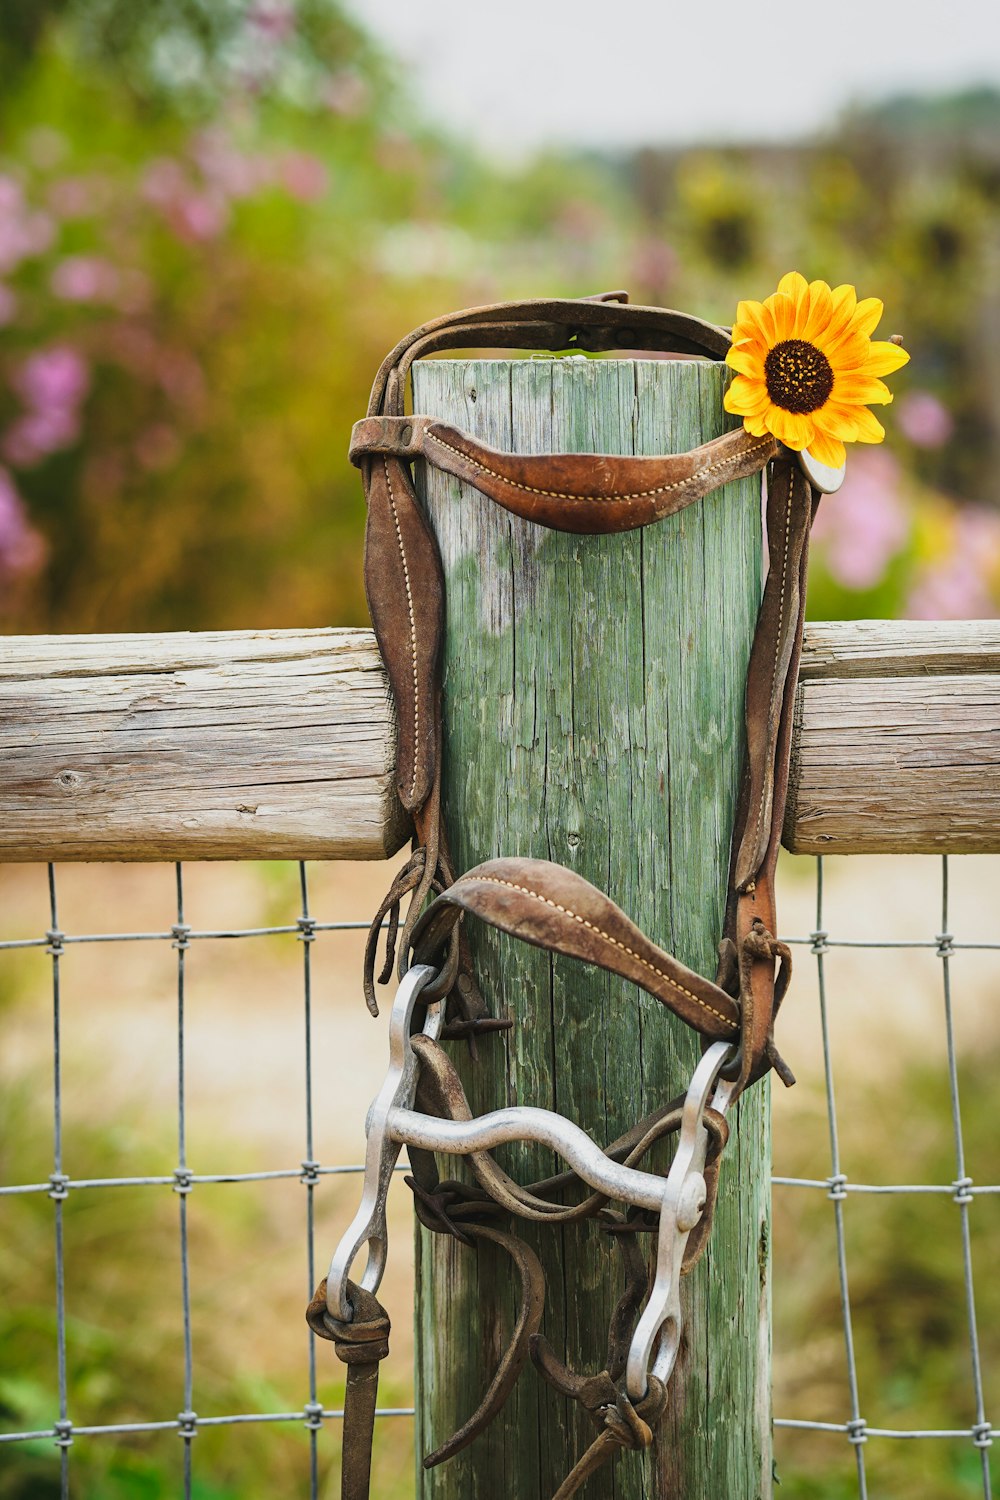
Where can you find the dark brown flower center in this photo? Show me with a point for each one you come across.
(799, 376)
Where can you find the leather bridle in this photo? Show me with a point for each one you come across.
(547, 905)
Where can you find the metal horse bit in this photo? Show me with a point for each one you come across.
(679, 1197)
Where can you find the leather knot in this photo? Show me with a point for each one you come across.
(626, 1421)
(362, 1341)
(759, 943)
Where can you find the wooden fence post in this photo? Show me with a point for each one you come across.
(593, 693)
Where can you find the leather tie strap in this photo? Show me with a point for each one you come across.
(362, 1344)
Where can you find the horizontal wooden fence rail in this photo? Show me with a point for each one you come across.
(281, 744)
(896, 745)
(256, 744)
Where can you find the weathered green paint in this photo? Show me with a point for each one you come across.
(592, 710)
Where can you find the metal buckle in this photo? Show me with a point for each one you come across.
(679, 1198)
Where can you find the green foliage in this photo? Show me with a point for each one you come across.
(216, 217)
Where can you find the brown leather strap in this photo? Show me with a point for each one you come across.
(403, 579)
(405, 588)
(553, 908)
(586, 324)
(362, 1344)
(751, 921)
(517, 1353)
(589, 493)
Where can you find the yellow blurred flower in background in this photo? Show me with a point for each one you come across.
(808, 369)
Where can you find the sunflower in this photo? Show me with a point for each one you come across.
(807, 368)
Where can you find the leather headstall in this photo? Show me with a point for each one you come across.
(545, 904)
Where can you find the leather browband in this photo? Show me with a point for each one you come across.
(537, 901)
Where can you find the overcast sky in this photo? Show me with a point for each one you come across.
(519, 73)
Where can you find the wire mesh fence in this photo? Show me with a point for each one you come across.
(62, 1429)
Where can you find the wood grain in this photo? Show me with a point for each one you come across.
(899, 648)
(593, 700)
(281, 744)
(223, 745)
(896, 765)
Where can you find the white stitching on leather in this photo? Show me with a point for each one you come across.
(536, 896)
(777, 648)
(662, 489)
(413, 627)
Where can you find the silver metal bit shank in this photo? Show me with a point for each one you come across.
(679, 1198)
(399, 1090)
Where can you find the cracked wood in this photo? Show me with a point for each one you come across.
(220, 745)
(281, 744)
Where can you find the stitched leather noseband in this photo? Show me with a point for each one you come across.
(545, 904)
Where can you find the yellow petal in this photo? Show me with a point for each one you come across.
(818, 312)
(867, 316)
(755, 317)
(884, 357)
(861, 389)
(790, 427)
(848, 351)
(745, 398)
(827, 450)
(756, 426)
(837, 421)
(747, 363)
(747, 317)
(845, 300)
(869, 428)
(782, 310)
(793, 285)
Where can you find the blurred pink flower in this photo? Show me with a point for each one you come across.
(84, 278)
(304, 176)
(34, 436)
(198, 216)
(958, 586)
(192, 213)
(22, 549)
(51, 383)
(57, 377)
(274, 20)
(234, 173)
(924, 419)
(865, 524)
(163, 180)
(76, 197)
(24, 232)
(11, 196)
(345, 93)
